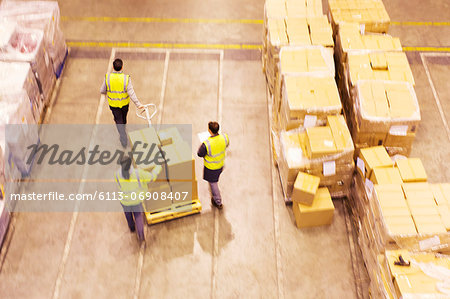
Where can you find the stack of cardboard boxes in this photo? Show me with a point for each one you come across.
(407, 274)
(383, 110)
(371, 15)
(324, 151)
(312, 205)
(177, 179)
(296, 23)
(398, 208)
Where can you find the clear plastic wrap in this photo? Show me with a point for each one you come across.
(26, 45)
(18, 76)
(369, 14)
(306, 97)
(44, 16)
(380, 233)
(290, 152)
(402, 113)
(15, 108)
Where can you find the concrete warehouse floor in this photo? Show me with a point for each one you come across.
(252, 248)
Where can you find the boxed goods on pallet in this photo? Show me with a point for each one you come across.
(408, 274)
(44, 16)
(350, 39)
(26, 45)
(304, 85)
(304, 99)
(329, 157)
(16, 109)
(177, 178)
(384, 113)
(297, 23)
(18, 76)
(371, 15)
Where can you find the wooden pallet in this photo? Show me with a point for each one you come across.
(174, 212)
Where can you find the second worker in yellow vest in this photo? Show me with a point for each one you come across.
(118, 90)
(213, 151)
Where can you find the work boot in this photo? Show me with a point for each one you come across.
(216, 205)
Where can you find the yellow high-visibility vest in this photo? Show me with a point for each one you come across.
(116, 89)
(132, 188)
(215, 151)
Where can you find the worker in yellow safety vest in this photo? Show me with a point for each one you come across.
(119, 90)
(213, 151)
(133, 184)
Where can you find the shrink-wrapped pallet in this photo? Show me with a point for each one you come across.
(371, 15)
(44, 16)
(26, 45)
(18, 76)
(328, 157)
(384, 113)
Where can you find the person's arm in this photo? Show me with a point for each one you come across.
(149, 176)
(202, 151)
(132, 94)
(103, 88)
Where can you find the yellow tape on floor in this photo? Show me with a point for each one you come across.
(429, 24)
(93, 44)
(210, 21)
(162, 45)
(161, 20)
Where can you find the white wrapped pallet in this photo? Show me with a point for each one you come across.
(18, 76)
(42, 15)
(16, 109)
(26, 45)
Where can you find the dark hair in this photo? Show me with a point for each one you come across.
(214, 127)
(126, 164)
(118, 64)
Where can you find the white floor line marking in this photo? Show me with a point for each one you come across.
(137, 284)
(163, 87)
(276, 222)
(436, 97)
(73, 221)
(216, 212)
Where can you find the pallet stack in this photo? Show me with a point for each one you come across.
(374, 78)
(295, 23)
(178, 167)
(397, 209)
(32, 54)
(309, 133)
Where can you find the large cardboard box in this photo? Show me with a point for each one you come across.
(441, 194)
(305, 188)
(319, 213)
(180, 164)
(411, 170)
(386, 175)
(320, 142)
(372, 157)
(158, 200)
(169, 135)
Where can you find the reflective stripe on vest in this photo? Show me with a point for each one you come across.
(116, 89)
(215, 151)
(132, 185)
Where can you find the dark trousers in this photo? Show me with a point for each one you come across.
(120, 118)
(135, 219)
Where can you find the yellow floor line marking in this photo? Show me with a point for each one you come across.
(426, 24)
(162, 45)
(213, 21)
(161, 20)
(208, 46)
(426, 49)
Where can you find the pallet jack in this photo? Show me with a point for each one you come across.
(175, 210)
